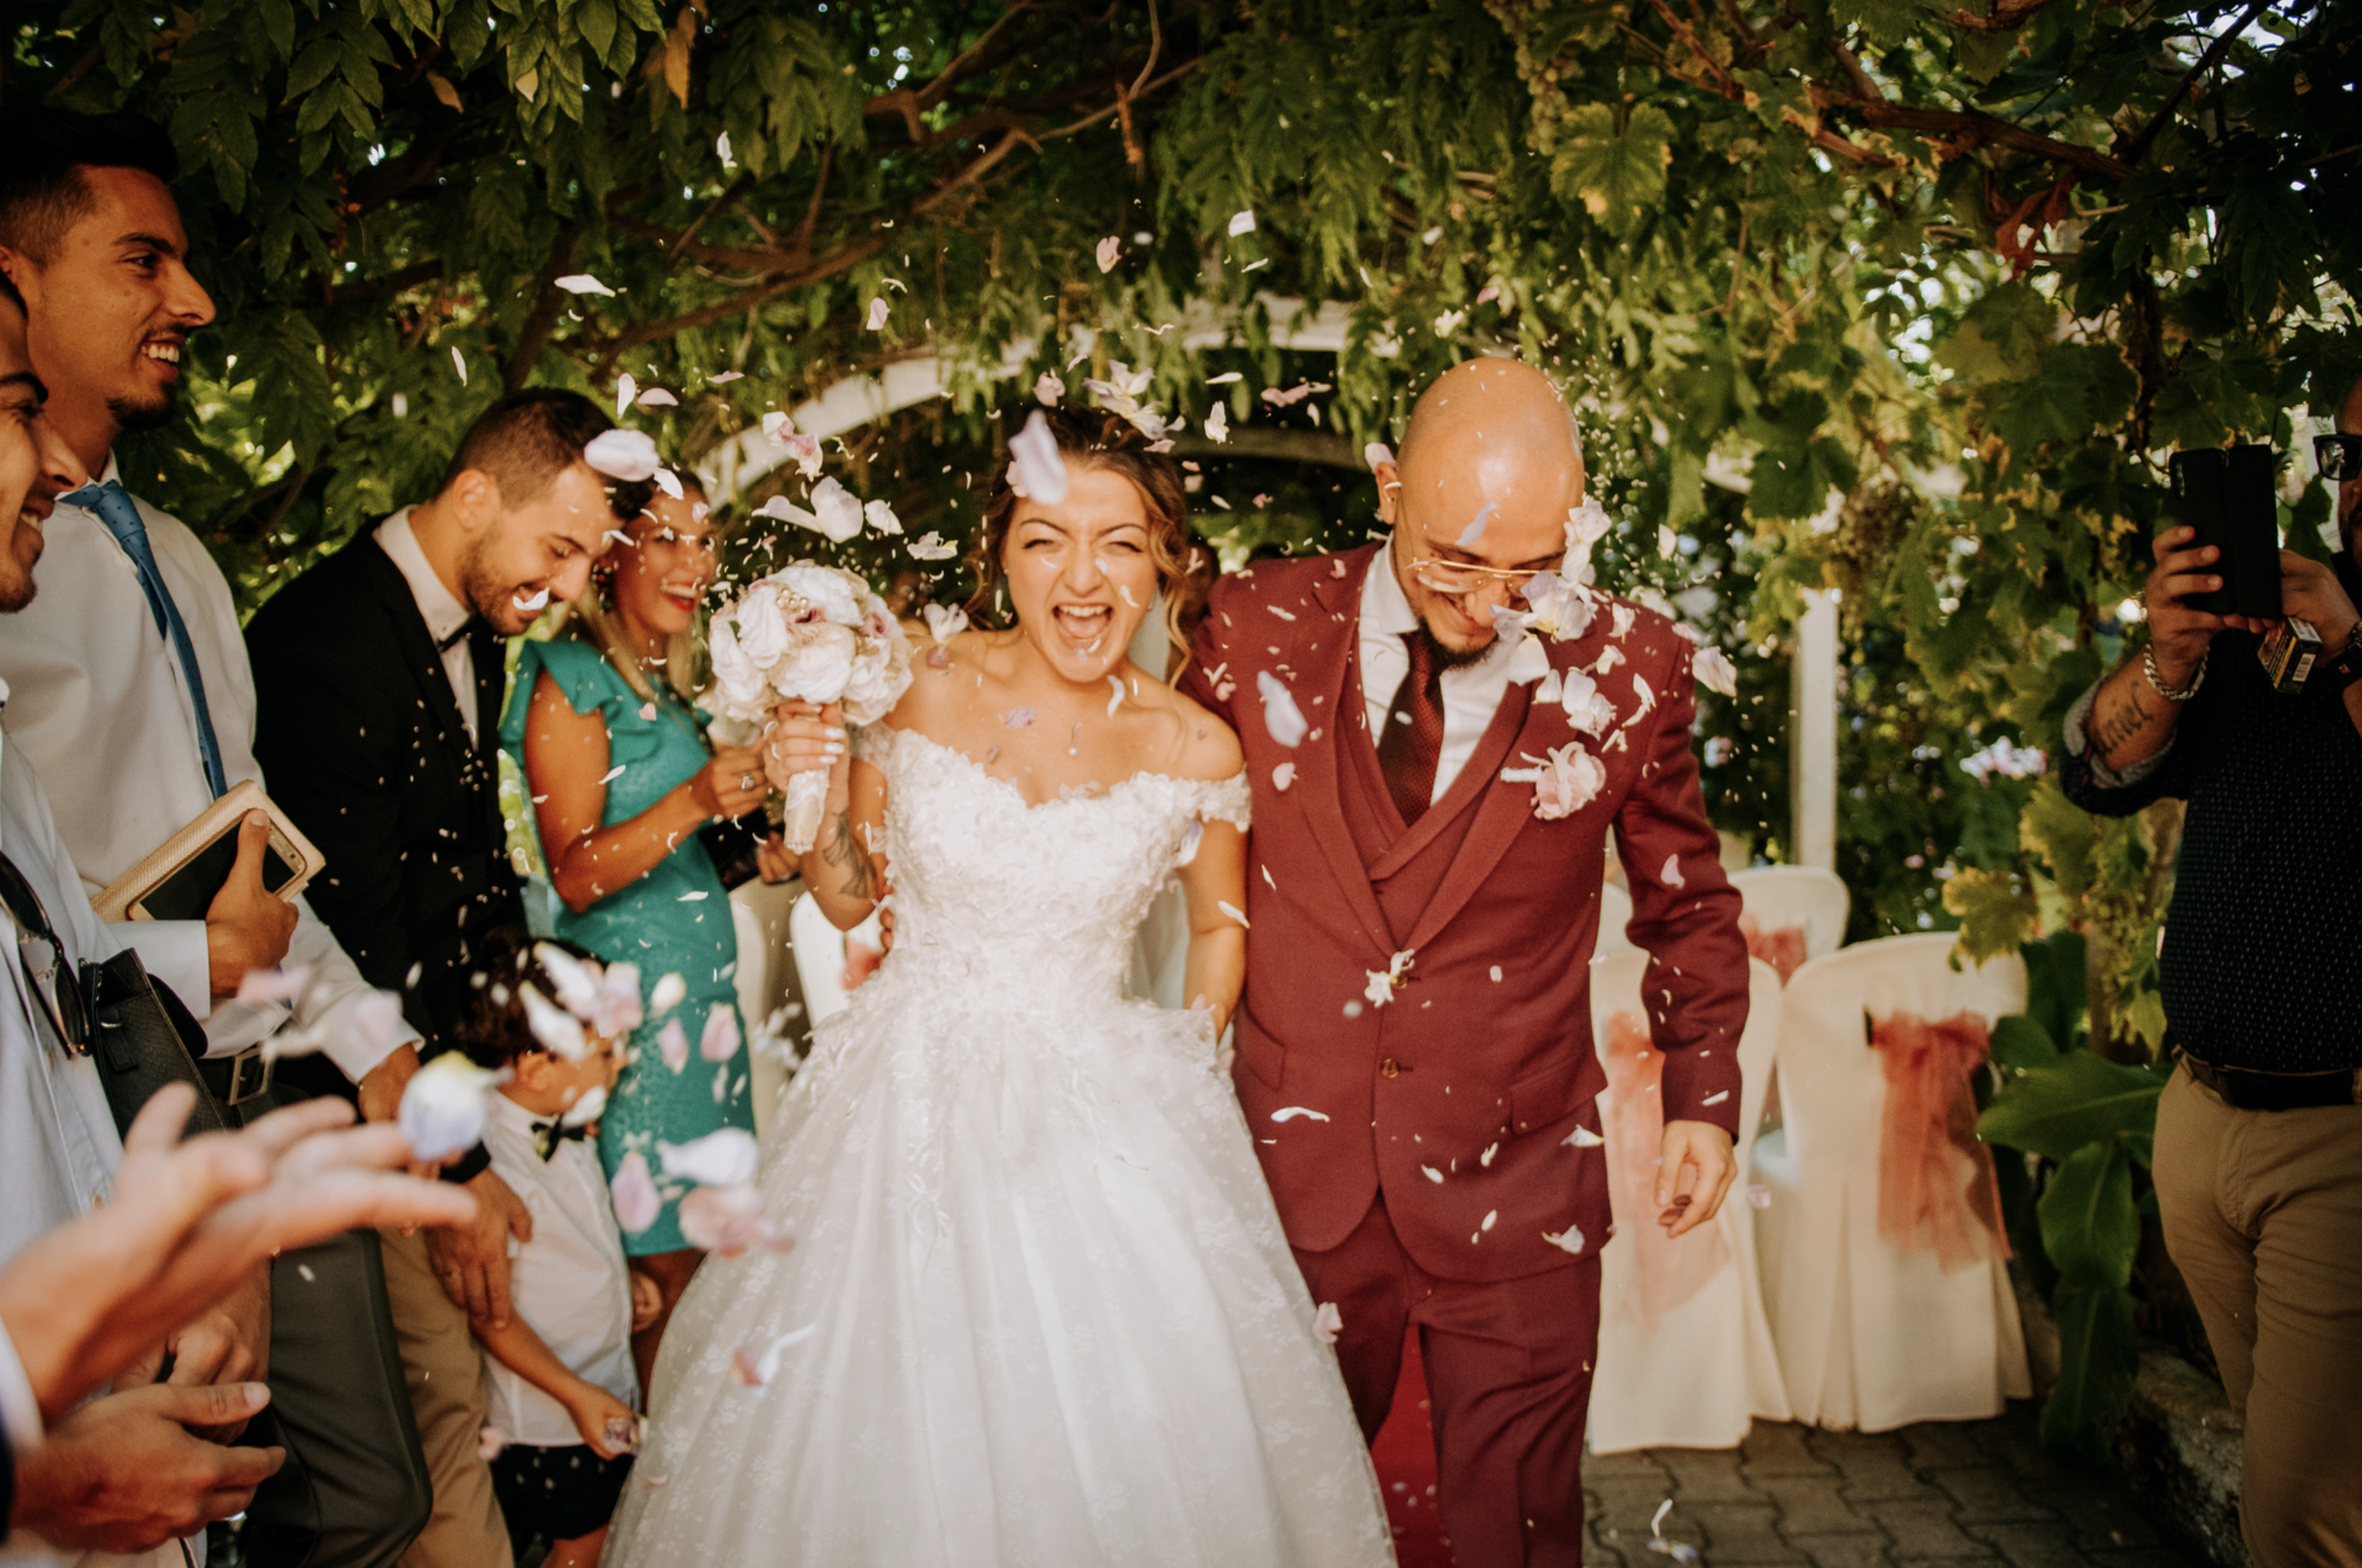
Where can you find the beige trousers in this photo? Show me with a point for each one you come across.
(2263, 1214)
(445, 1371)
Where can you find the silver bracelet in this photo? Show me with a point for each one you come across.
(2149, 666)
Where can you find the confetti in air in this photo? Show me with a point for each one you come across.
(1242, 222)
(1280, 716)
(877, 315)
(582, 283)
(1036, 470)
(1290, 1113)
(1111, 251)
(459, 362)
(442, 1107)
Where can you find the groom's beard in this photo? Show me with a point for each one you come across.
(1442, 658)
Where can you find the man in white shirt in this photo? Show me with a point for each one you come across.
(123, 1473)
(132, 695)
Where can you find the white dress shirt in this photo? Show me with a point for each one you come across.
(442, 607)
(102, 710)
(1472, 692)
(569, 1283)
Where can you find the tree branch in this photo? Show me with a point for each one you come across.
(909, 103)
(547, 306)
(838, 260)
(386, 284)
(2137, 148)
(1971, 127)
(2006, 15)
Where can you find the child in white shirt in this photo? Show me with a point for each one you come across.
(563, 1390)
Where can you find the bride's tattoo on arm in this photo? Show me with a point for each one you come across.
(841, 850)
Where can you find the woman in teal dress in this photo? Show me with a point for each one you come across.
(621, 776)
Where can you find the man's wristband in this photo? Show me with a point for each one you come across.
(2148, 667)
(2347, 668)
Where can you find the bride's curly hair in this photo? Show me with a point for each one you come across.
(1097, 438)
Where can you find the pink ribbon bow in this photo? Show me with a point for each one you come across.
(1937, 1189)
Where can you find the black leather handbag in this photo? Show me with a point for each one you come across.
(355, 1491)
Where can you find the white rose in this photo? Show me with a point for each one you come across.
(762, 629)
(739, 689)
(832, 595)
(818, 661)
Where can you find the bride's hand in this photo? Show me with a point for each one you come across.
(804, 738)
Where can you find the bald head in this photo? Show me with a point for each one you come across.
(1490, 466)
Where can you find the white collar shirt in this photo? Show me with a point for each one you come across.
(1472, 692)
(569, 1283)
(102, 710)
(443, 612)
(58, 1147)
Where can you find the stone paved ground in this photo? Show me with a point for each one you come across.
(1980, 1490)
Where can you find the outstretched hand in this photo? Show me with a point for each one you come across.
(189, 1222)
(1696, 1166)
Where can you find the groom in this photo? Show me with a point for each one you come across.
(1414, 1043)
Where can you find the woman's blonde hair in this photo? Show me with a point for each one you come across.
(593, 618)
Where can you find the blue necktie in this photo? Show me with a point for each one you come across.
(114, 508)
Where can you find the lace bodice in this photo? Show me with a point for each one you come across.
(1025, 906)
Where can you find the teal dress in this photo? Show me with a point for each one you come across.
(674, 920)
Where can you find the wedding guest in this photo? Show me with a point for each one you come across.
(603, 722)
(564, 1391)
(2259, 1158)
(1417, 967)
(130, 693)
(378, 675)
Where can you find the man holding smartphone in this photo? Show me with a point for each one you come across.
(2258, 1155)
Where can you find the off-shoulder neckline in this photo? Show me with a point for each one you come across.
(1075, 796)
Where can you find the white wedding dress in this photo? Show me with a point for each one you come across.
(1053, 1321)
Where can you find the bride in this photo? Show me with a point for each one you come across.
(1040, 1312)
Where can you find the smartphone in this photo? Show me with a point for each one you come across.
(2228, 497)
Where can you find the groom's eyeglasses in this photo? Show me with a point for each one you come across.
(2338, 457)
(1458, 579)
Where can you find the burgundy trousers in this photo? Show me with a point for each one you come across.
(1508, 1376)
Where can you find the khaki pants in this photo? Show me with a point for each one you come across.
(447, 1398)
(2263, 1214)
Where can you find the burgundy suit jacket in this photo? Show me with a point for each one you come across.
(1460, 1097)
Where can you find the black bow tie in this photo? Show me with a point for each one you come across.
(458, 632)
(547, 1135)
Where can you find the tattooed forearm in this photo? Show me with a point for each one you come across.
(2120, 720)
(841, 850)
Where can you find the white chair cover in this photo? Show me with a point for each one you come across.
(1696, 1375)
(1615, 913)
(1804, 898)
(1872, 1336)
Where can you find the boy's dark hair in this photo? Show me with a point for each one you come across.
(492, 1031)
(527, 439)
(43, 191)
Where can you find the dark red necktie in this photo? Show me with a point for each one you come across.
(1414, 731)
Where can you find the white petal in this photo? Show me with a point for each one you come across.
(584, 284)
(1280, 716)
(727, 1157)
(1290, 1113)
(1242, 222)
(877, 314)
(1036, 469)
(442, 1106)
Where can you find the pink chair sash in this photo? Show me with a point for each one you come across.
(1632, 1118)
(1782, 947)
(1937, 1190)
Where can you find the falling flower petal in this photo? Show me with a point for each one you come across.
(1329, 1323)
(584, 284)
(1111, 250)
(722, 378)
(267, 985)
(557, 1031)
(1714, 671)
(586, 1109)
(836, 510)
(725, 1158)
(1283, 775)
(1226, 377)
(490, 1441)
(626, 390)
(1047, 390)
(1475, 529)
(880, 516)
(720, 1039)
(628, 455)
(1582, 1138)
(1567, 1240)
(656, 397)
(1115, 694)
(1432, 1174)
(1242, 222)
(943, 621)
(1376, 453)
(1233, 912)
(777, 426)
(756, 1370)
(1191, 836)
(1217, 423)
(930, 547)
(1528, 660)
(1036, 469)
(672, 1044)
(459, 362)
(728, 1220)
(877, 314)
(667, 994)
(1019, 718)
(1758, 1196)
(1570, 778)
(722, 149)
(1290, 1113)
(1280, 716)
(442, 1106)
(1671, 875)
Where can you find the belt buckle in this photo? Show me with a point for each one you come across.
(250, 1076)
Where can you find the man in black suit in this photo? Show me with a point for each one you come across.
(379, 678)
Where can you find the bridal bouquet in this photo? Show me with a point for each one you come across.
(815, 634)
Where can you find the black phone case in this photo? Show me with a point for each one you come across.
(2228, 497)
